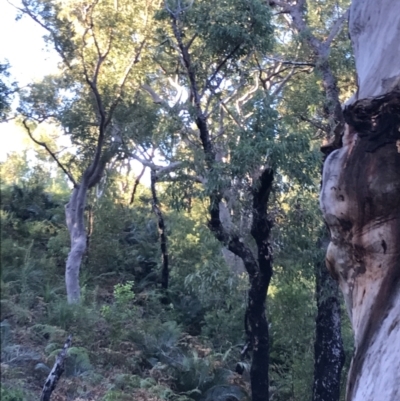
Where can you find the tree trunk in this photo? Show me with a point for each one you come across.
(328, 347)
(162, 233)
(74, 212)
(360, 200)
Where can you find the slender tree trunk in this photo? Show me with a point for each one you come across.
(162, 233)
(258, 267)
(256, 324)
(360, 200)
(74, 212)
(328, 357)
(328, 347)
(259, 283)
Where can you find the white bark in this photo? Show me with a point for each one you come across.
(74, 212)
(375, 35)
(360, 200)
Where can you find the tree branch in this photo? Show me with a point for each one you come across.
(135, 186)
(52, 154)
(27, 11)
(336, 28)
(321, 51)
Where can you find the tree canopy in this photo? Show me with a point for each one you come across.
(169, 218)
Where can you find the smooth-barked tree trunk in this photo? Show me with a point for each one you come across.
(360, 200)
(74, 215)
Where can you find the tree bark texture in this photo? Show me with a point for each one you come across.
(360, 200)
(75, 218)
(328, 347)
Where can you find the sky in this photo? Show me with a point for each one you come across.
(23, 46)
(30, 59)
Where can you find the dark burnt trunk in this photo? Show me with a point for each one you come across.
(328, 347)
(256, 324)
(259, 283)
(259, 266)
(259, 270)
(162, 233)
(257, 327)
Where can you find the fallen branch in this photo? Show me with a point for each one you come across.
(56, 372)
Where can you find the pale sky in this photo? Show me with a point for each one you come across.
(23, 46)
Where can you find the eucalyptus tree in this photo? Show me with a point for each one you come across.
(317, 30)
(227, 138)
(360, 201)
(359, 196)
(103, 47)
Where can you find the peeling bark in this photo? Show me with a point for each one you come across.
(360, 200)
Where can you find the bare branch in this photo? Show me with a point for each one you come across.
(276, 92)
(316, 124)
(337, 27)
(160, 170)
(192, 40)
(220, 65)
(122, 83)
(321, 52)
(290, 62)
(136, 184)
(156, 98)
(52, 154)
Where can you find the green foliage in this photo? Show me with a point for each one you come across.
(123, 294)
(7, 394)
(7, 90)
(187, 348)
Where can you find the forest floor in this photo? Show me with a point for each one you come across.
(117, 353)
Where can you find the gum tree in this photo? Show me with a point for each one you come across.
(103, 50)
(360, 202)
(227, 140)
